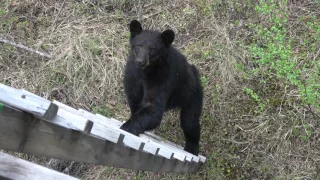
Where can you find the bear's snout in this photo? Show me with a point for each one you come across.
(142, 58)
(140, 63)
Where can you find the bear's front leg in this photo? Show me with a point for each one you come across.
(132, 127)
(148, 117)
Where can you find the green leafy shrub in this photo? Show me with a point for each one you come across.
(256, 98)
(274, 52)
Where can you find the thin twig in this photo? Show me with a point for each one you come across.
(150, 15)
(24, 47)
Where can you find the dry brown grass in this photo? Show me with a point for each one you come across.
(89, 45)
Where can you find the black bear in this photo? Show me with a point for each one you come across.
(159, 78)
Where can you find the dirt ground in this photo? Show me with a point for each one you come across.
(88, 44)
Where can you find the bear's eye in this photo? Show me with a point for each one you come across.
(152, 49)
(138, 47)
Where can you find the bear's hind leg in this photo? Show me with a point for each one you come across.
(190, 117)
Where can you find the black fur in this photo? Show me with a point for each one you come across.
(158, 78)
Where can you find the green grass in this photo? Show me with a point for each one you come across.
(273, 51)
(105, 111)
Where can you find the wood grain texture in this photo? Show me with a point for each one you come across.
(18, 169)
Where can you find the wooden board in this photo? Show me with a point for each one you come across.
(74, 120)
(18, 169)
(22, 132)
(150, 145)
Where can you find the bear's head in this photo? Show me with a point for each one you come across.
(149, 47)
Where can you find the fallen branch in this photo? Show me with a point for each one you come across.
(24, 47)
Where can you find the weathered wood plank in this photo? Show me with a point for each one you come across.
(165, 149)
(38, 106)
(157, 139)
(18, 169)
(187, 157)
(130, 140)
(103, 127)
(97, 129)
(29, 103)
(47, 139)
(201, 158)
(149, 146)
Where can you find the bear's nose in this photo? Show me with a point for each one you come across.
(140, 63)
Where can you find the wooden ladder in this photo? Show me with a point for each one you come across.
(34, 125)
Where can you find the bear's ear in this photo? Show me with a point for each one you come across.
(135, 27)
(168, 36)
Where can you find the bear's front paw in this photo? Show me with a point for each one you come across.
(130, 127)
(192, 148)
